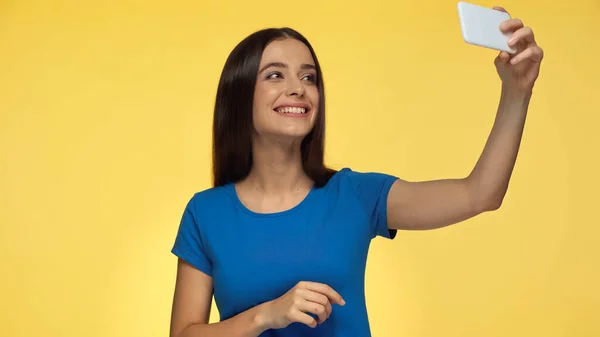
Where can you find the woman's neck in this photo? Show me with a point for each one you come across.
(277, 169)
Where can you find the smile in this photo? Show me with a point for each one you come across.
(292, 110)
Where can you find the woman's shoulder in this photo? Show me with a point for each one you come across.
(365, 185)
(347, 175)
(210, 198)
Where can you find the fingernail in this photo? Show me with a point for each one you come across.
(343, 302)
(511, 41)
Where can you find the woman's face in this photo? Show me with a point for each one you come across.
(286, 96)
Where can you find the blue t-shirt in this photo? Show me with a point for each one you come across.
(255, 258)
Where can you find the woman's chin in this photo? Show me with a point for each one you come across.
(287, 136)
(294, 134)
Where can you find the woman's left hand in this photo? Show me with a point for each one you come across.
(519, 71)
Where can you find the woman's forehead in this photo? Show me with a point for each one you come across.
(289, 51)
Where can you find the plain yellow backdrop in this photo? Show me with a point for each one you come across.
(105, 130)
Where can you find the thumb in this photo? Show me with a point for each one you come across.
(502, 59)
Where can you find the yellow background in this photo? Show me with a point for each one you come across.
(105, 122)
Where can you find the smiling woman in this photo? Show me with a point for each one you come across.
(281, 240)
(267, 71)
(287, 89)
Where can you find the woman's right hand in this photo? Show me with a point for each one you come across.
(294, 306)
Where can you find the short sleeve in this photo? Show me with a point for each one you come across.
(188, 242)
(372, 191)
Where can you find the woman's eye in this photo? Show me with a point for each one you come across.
(277, 75)
(274, 76)
(310, 78)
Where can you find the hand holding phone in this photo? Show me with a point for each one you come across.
(518, 62)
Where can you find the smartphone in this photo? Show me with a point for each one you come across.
(480, 27)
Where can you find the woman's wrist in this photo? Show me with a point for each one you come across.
(515, 95)
(260, 318)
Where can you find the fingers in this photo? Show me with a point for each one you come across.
(501, 9)
(524, 34)
(324, 289)
(314, 308)
(533, 53)
(511, 25)
(321, 299)
(300, 317)
(314, 298)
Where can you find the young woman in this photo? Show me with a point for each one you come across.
(281, 240)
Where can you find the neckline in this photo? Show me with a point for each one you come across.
(231, 189)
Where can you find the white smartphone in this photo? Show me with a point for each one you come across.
(480, 27)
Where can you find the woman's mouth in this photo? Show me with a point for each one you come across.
(292, 111)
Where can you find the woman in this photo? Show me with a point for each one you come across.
(281, 240)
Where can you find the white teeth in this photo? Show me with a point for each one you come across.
(293, 110)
